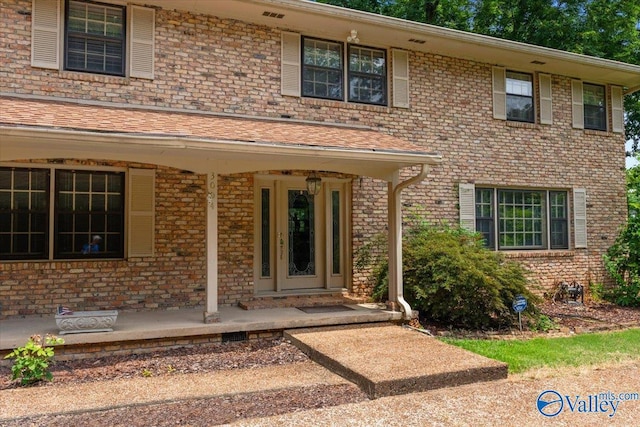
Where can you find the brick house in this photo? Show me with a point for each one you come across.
(189, 136)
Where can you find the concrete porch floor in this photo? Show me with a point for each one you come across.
(138, 326)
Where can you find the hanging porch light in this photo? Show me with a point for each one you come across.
(313, 184)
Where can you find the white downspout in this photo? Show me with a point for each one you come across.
(396, 285)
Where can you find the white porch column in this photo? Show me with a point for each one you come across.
(211, 314)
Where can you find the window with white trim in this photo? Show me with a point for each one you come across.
(514, 219)
(95, 37)
(323, 72)
(79, 204)
(520, 97)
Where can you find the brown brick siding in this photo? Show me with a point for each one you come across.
(211, 64)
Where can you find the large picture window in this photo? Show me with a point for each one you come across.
(86, 210)
(95, 37)
(323, 72)
(522, 219)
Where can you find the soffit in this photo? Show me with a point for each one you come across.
(332, 22)
(197, 141)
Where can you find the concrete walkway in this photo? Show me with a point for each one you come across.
(386, 360)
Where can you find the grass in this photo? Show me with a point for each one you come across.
(579, 350)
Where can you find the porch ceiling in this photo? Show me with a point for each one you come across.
(33, 128)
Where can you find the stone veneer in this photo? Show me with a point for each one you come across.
(210, 64)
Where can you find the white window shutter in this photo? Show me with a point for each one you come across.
(617, 109)
(499, 93)
(580, 217)
(290, 67)
(141, 218)
(400, 65)
(141, 42)
(577, 104)
(546, 101)
(45, 34)
(467, 202)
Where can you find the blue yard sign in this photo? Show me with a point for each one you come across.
(519, 304)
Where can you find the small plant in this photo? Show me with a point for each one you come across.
(170, 369)
(543, 323)
(147, 373)
(32, 360)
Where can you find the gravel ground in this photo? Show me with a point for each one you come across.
(510, 402)
(248, 381)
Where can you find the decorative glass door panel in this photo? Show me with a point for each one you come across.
(300, 264)
(301, 234)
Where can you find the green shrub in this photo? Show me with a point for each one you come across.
(32, 361)
(451, 278)
(622, 262)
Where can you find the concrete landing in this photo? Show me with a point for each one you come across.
(386, 360)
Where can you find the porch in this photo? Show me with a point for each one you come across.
(150, 331)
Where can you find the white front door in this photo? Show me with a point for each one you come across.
(300, 238)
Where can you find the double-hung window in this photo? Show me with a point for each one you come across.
(95, 37)
(520, 97)
(595, 107)
(86, 207)
(522, 219)
(367, 75)
(324, 74)
(322, 69)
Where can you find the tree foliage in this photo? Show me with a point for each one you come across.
(602, 28)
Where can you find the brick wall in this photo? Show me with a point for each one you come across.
(210, 64)
(175, 277)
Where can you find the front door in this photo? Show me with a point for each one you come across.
(300, 262)
(300, 238)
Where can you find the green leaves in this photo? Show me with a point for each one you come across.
(32, 360)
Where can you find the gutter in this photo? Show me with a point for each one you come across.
(632, 90)
(396, 242)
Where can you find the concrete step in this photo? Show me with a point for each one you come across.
(259, 303)
(386, 360)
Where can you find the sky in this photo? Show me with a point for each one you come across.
(631, 161)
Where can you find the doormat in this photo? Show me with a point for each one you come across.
(325, 309)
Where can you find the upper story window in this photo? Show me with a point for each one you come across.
(515, 98)
(323, 72)
(92, 37)
(95, 38)
(322, 69)
(520, 97)
(367, 75)
(595, 107)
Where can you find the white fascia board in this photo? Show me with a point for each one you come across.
(230, 155)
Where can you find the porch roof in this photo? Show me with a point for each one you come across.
(35, 127)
